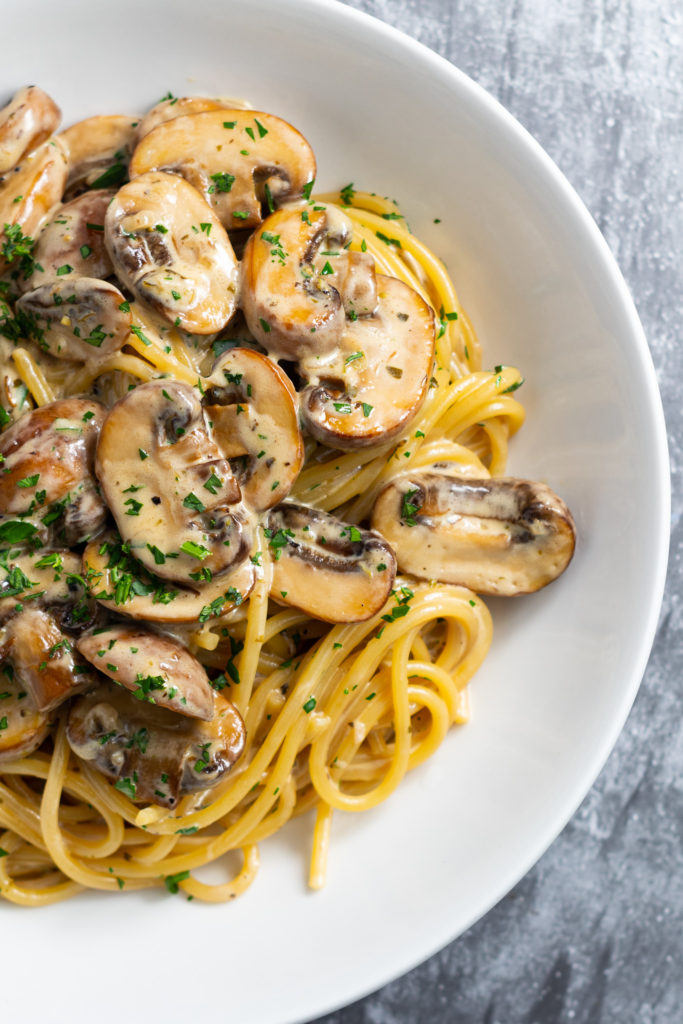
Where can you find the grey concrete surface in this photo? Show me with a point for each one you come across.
(594, 933)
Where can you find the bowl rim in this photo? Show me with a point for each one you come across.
(335, 13)
(591, 767)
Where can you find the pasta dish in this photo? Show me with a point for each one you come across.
(253, 488)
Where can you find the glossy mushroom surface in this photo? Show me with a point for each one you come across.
(300, 283)
(155, 668)
(28, 193)
(48, 579)
(29, 118)
(24, 727)
(252, 408)
(239, 160)
(79, 318)
(387, 364)
(169, 248)
(328, 568)
(44, 659)
(152, 754)
(496, 536)
(48, 454)
(122, 584)
(72, 242)
(98, 150)
(171, 492)
(179, 106)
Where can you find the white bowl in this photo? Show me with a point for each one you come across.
(544, 294)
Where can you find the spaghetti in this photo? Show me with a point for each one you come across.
(335, 715)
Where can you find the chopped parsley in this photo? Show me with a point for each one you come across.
(223, 181)
(408, 507)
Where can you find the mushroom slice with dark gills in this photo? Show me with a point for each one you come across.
(154, 668)
(328, 568)
(239, 160)
(119, 582)
(363, 342)
(387, 361)
(98, 150)
(79, 319)
(38, 672)
(174, 498)
(48, 459)
(43, 659)
(72, 242)
(251, 406)
(299, 284)
(495, 536)
(151, 754)
(46, 579)
(29, 118)
(169, 248)
(27, 195)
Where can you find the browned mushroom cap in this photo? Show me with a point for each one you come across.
(330, 569)
(154, 668)
(251, 406)
(171, 250)
(386, 373)
(27, 194)
(153, 755)
(178, 106)
(48, 453)
(48, 579)
(43, 660)
(29, 118)
(80, 318)
(98, 150)
(121, 583)
(496, 536)
(237, 159)
(177, 504)
(299, 284)
(24, 727)
(72, 242)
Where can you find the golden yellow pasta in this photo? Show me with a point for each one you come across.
(335, 714)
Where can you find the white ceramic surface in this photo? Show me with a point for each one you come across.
(545, 294)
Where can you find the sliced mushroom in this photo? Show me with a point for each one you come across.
(48, 453)
(178, 106)
(387, 364)
(172, 494)
(82, 515)
(171, 250)
(29, 118)
(48, 579)
(43, 661)
(98, 150)
(27, 194)
(239, 160)
(79, 319)
(330, 569)
(153, 755)
(495, 536)
(22, 726)
(119, 582)
(154, 668)
(300, 283)
(251, 406)
(72, 242)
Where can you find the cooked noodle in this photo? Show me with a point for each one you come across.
(333, 728)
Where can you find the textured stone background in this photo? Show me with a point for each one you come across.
(594, 933)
